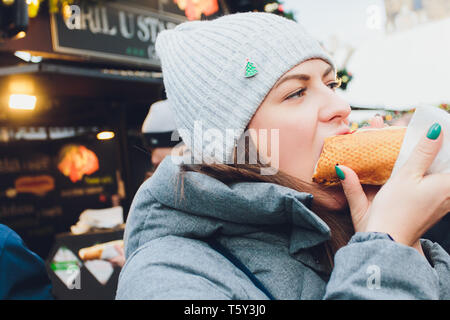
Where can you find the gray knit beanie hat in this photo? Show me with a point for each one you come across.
(217, 73)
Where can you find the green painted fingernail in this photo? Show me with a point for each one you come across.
(434, 131)
(339, 173)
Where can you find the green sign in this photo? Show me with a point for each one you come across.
(111, 32)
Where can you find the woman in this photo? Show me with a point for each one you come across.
(218, 228)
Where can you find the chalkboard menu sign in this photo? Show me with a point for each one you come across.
(45, 185)
(111, 31)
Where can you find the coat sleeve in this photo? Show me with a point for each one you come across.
(372, 266)
(22, 272)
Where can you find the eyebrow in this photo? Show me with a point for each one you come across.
(302, 76)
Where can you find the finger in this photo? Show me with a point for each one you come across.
(119, 249)
(376, 122)
(354, 192)
(371, 191)
(442, 180)
(114, 262)
(424, 153)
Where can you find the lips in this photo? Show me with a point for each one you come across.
(343, 131)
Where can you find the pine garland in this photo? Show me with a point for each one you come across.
(346, 77)
(274, 6)
(391, 116)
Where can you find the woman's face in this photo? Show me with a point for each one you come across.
(305, 108)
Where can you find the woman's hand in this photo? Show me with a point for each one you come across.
(118, 260)
(370, 191)
(409, 203)
(377, 122)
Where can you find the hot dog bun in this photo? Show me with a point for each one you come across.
(38, 185)
(371, 153)
(95, 252)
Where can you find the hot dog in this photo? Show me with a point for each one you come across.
(371, 153)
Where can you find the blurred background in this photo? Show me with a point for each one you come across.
(78, 77)
(392, 54)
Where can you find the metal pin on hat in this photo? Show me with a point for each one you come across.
(250, 69)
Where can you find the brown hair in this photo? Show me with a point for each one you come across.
(339, 221)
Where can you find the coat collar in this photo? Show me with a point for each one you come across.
(238, 207)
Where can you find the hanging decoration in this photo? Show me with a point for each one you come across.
(391, 116)
(276, 7)
(346, 78)
(57, 6)
(194, 9)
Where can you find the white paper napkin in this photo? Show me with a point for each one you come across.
(422, 120)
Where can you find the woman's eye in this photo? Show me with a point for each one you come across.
(335, 84)
(297, 94)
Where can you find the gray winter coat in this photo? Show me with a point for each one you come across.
(270, 229)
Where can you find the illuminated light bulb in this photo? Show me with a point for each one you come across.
(33, 8)
(105, 135)
(26, 56)
(8, 2)
(22, 101)
(271, 7)
(20, 35)
(66, 11)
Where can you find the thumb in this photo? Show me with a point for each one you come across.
(354, 192)
(424, 153)
(119, 249)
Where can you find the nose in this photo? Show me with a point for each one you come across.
(334, 108)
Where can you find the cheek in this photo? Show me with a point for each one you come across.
(297, 131)
(297, 136)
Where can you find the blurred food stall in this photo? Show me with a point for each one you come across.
(77, 79)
